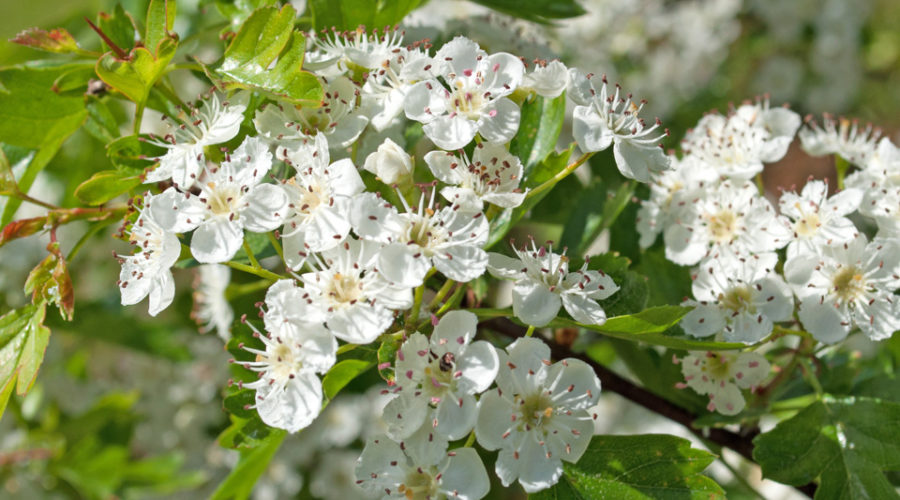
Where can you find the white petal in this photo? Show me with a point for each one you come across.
(404, 265)
(293, 408)
(420, 98)
(639, 161)
(405, 414)
(459, 55)
(479, 366)
(589, 130)
(583, 309)
(502, 266)
(494, 420)
(727, 399)
(176, 212)
(360, 323)
(501, 121)
(461, 263)
(456, 329)
(536, 471)
(465, 476)
(534, 303)
(451, 132)
(445, 166)
(456, 417)
(823, 320)
(266, 208)
(573, 385)
(216, 240)
(162, 292)
(703, 321)
(504, 74)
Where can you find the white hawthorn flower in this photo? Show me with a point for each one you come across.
(848, 285)
(538, 415)
(339, 118)
(288, 391)
(880, 170)
(421, 468)
(211, 308)
(319, 199)
(390, 163)
(437, 379)
(722, 375)
(386, 87)
(290, 313)
(231, 199)
(216, 121)
(492, 176)
(544, 283)
(474, 99)
(840, 137)
(547, 79)
(341, 51)
(148, 271)
(742, 299)
(671, 196)
(358, 304)
(447, 238)
(733, 219)
(816, 219)
(737, 145)
(601, 120)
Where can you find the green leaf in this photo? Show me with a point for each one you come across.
(57, 40)
(239, 403)
(539, 129)
(341, 374)
(7, 179)
(244, 433)
(845, 442)
(387, 353)
(160, 18)
(652, 326)
(100, 122)
(119, 27)
(265, 36)
(136, 76)
(106, 185)
(23, 339)
(649, 466)
(349, 14)
(633, 288)
(249, 468)
(237, 11)
(31, 114)
(539, 11)
(671, 282)
(132, 154)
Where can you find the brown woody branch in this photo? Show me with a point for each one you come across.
(741, 443)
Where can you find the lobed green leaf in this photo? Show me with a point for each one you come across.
(649, 466)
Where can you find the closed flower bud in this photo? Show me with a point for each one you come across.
(390, 163)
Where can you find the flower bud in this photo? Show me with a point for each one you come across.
(389, 162)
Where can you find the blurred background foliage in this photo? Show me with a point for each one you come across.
(127, 406)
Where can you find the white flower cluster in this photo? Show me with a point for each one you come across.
(537, 417)
(352, 259)
(712, 216)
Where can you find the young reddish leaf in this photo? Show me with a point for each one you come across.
(21, 228)
(50, 282)
(56, 40)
